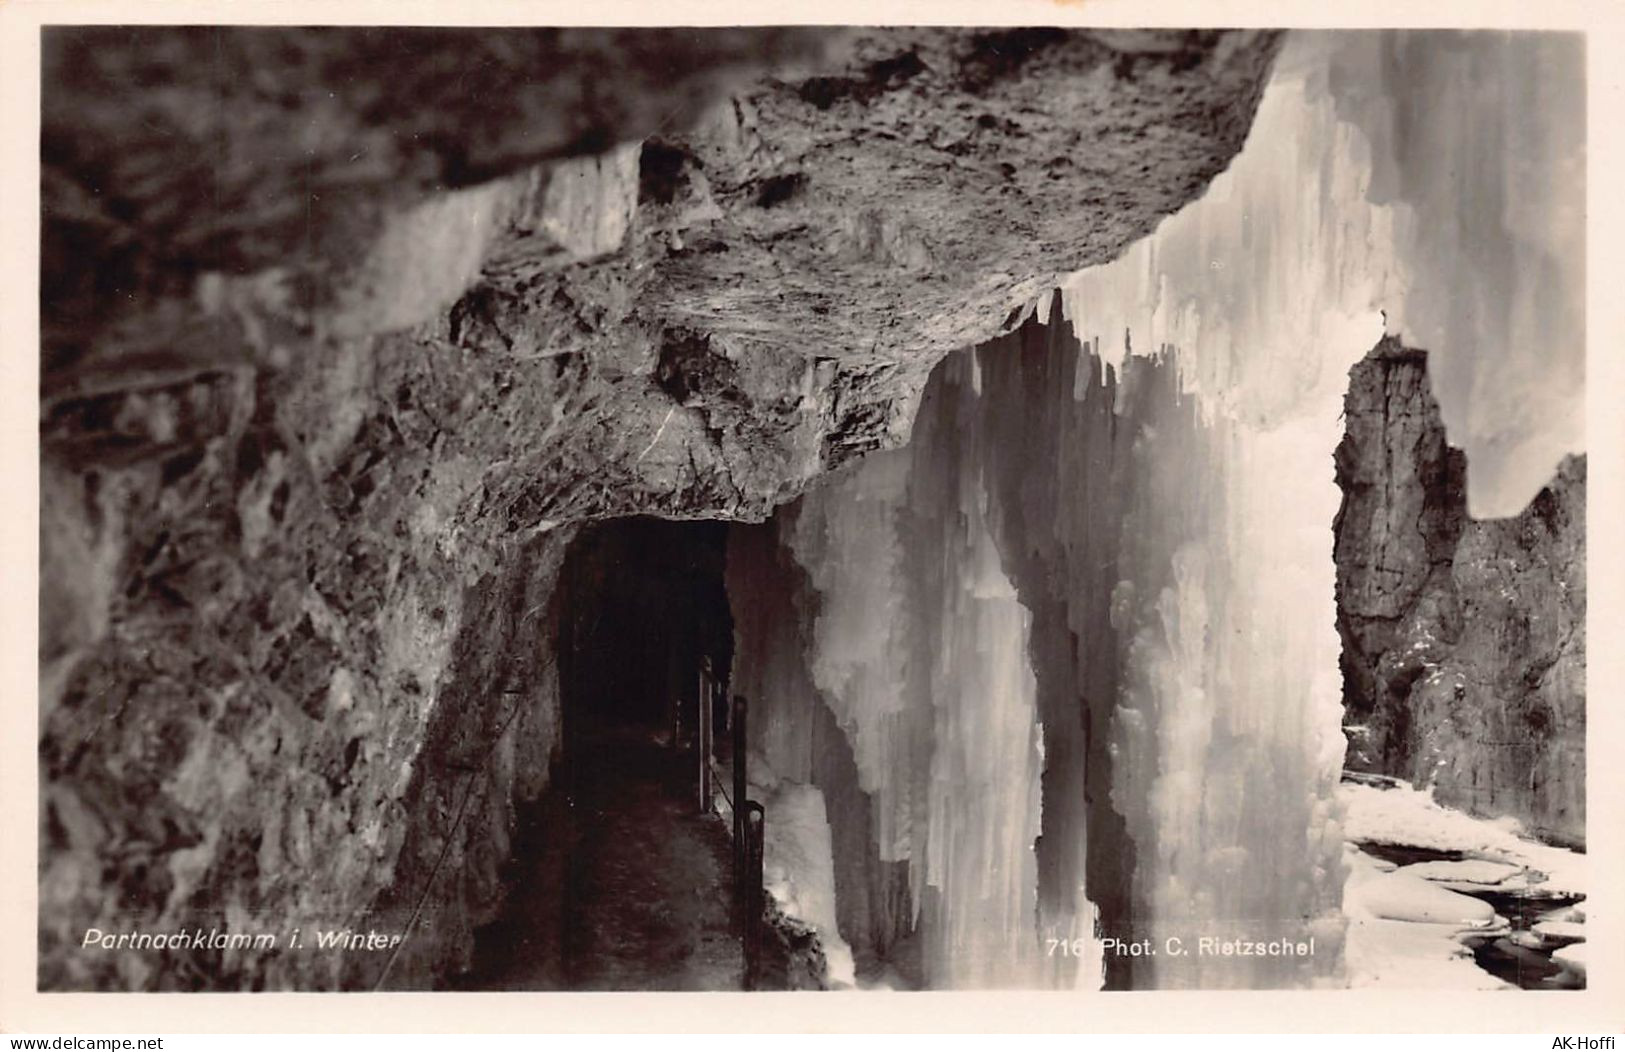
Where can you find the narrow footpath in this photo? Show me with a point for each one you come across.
(644, 900)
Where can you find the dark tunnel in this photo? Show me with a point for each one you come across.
(618, 880)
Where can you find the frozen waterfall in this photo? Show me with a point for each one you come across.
(1073, 649)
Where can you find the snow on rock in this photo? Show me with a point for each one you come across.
(1406, 815)
(1401, 896)
(1415, 953)
(1390, 954)
(1560, 931)
(1465, 871)
(1573, 957)
(1405, 925)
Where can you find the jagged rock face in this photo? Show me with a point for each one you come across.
(1463, 641)
(767, 288)
(232, 148)
(338, 345)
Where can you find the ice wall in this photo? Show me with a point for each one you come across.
(1075, 678)
(1225, 735)
(1112, 538)
(1180, 580)
(917, 645)
(1432, 180)
(796, 738)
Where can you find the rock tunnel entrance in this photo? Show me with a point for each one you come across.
(643, 608)
(617, 881)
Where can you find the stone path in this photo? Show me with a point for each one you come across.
(644, 901)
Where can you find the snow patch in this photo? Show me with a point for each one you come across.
(1400, 896)
(1414, 953)
(1409, 816)
(1466, 871)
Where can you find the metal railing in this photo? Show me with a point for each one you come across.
(749, 819)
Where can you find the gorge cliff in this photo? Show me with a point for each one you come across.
(1463, 640)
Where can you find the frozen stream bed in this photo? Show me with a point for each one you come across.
(1440, 899)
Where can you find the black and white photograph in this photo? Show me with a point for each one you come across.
(847, 509)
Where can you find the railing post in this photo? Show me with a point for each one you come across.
(740, 792)
(705, 734)
(674, 688)
(755, 837)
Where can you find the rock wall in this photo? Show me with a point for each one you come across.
(1463, 640)
(342, 329)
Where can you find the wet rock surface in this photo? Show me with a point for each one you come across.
(1463, 640)
(342, 332)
